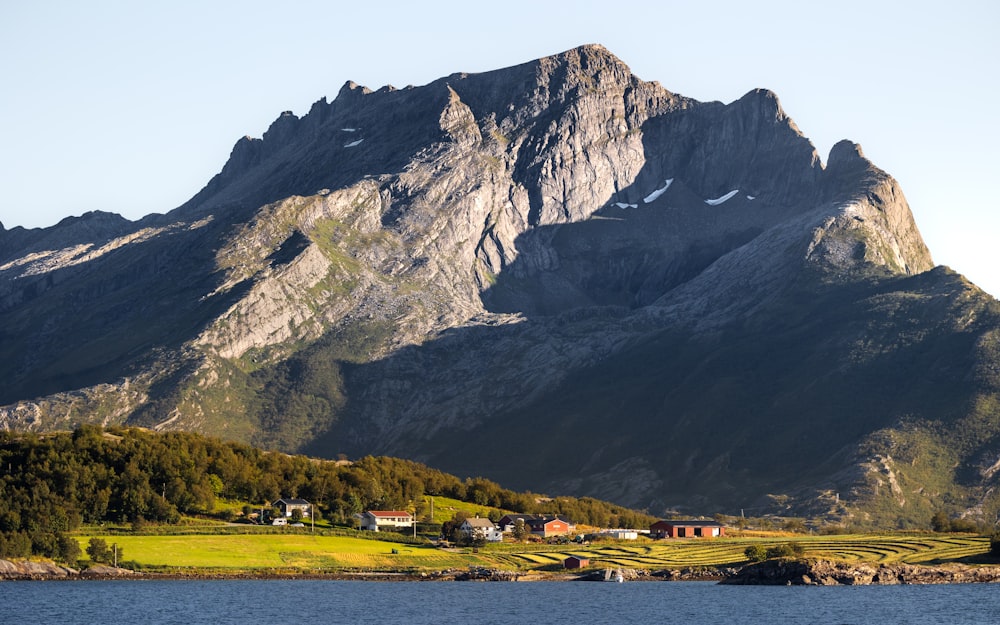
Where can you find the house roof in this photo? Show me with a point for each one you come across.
(386, 513)
(514, 517)
(292, 502)
(690, 523)
(537, 518)
(546, 519)
(480, 522)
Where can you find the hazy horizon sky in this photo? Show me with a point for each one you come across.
(132, 107)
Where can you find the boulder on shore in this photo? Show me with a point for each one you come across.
(482, 574)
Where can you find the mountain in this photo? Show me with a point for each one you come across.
(556, 275)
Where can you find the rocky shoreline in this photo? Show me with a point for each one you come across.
(828, 573)
(769, 573)
(30, 570)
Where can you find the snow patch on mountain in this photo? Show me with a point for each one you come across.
(655, 194)
(724, 198)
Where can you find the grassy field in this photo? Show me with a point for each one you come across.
(321, 553)
(300, 551)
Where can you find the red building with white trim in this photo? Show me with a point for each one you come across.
(687, 529)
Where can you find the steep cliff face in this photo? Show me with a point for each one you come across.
(555, 269)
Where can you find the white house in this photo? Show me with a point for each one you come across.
(286, 506)
(485, 528)
(377, 520)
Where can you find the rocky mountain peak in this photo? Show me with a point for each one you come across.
(514, 259)
(765, 103)
(352, 89)
(847, 156)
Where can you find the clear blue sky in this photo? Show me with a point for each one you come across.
(131, 107)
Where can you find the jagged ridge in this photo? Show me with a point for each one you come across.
(507, 257)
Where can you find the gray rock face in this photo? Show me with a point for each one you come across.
(501, 258)
(30, 570)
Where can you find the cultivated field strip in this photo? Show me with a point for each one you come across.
(730, 551)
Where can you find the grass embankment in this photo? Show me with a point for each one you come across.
(305, 552)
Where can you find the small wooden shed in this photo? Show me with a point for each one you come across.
(576, 562)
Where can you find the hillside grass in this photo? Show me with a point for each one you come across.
(445, 508)
(306, 552)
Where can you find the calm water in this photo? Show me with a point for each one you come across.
(463, 603)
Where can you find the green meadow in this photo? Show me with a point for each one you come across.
(293, 551)
(318, 553)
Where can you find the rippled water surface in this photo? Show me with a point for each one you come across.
(464, 603)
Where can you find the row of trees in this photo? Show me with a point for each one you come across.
(53, 483)
(941, 522)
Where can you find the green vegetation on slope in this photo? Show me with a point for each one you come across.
(54, 483)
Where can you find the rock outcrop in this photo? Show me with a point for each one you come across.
(35, 570)
(828, 573)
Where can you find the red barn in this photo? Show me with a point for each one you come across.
(576, 562)
(549, 526)
(686, 529)
(539, 525)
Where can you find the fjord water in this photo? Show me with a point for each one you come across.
(550, 603)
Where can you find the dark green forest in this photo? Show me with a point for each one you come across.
(52, 484)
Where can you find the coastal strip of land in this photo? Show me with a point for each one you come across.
(771, 572)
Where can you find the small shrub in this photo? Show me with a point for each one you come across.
(964, 525)
(98, 550)
(67, 549)
(794, 525)
(995, 544)
(788, 550)
(940, 522)
(756, 553)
